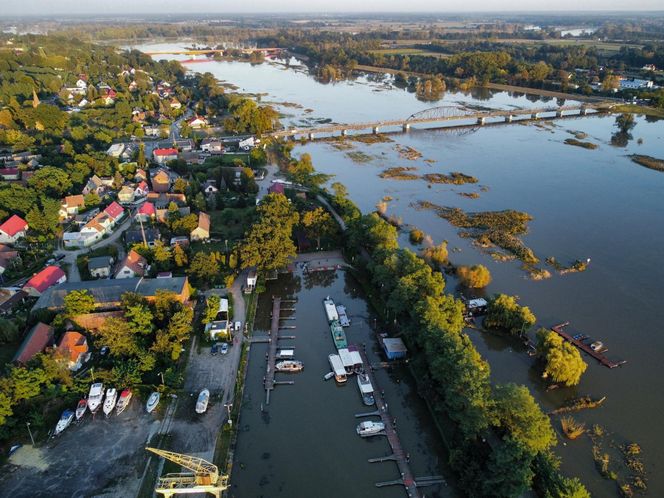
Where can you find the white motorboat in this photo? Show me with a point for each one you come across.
(202, 403)
(366, 389)
(81, 408)
(369, 428)
(109, 402)
(95, 397)
(152, 402)
(328, 375)
(123, 401)
(63, 423)
(289, 366)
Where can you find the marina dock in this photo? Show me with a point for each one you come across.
(598, 355)
(398, 454)
(273, 346)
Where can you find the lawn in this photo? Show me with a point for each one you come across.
(231, 223)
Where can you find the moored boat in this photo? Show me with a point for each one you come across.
(328, 375)
(369, 428)
(95, 396)
(343, 316)
(80, 408)
(123, 401)
(289, 366)
(202, 402)
(330, 310)
(109, 402)
(338, 335)
(337, 368)
(152, 402)
(63, 423)
(366, 389)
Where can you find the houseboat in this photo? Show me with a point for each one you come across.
(366, 389)
(285, 354)
(337, 368)
(351, 360)
(338, 335)
(330, 310)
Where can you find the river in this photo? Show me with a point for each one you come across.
(593, 204)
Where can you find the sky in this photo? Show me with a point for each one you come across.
(115, 7)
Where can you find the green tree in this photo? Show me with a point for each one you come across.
(141, 156)
(562, 361)
(92, 200)
(118, 335)
(50, 181)
(162, 255)
(140, 318)
(268, 244)
(373, 233)
(179, 256)
(302, 172)
(211, 309)
(508, 472)
(5, 408)
(318, 223)
(78, 302)
(26, 382)
(204, 266)
(504, 312)
(475, 277)
(436, 255)
(44, 221)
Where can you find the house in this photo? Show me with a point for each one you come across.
(146, 212)
(175, 103)
(202, 231)
(71, 205)
(73, 239)
(635, 84)
(8, 257)
(152, 131)
(134, 265)
(108, 293)
(115, 211)
(147, 235)
(161, 182)
(38, 339)
(212, 145)
(163, 200)
(277, 188)
(210, 187)
(252, 279)
(394, 347)
(162, 214)
(180, 240)
(48, 277)
(74, 349)
(13, 229)
(142, 189)
(100, 267)
(197, 122)
(140, 175)
(162, 156)
(115, 150)
(94, 184)
(9, 298)
(126, 194)
(10, 174)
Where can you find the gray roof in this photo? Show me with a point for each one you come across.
(99, 262)
(107, 293)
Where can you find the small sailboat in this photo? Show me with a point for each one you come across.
(153, 401)
(123, 402)
(63, 423)
(81, 408)
(109, 402)
(95, 396)
(202, 403)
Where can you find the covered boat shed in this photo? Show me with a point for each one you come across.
(394, 348)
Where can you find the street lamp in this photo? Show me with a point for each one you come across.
(162, 378)
(27, 424)
(228, 407)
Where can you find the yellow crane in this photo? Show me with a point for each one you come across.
(204, 479)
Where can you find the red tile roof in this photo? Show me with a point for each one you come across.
(135, 262)
(14, 225)
(8, 171)
(35, 342)
(165, 152)
(73, 343)
(74, 201)
(147, 209)
(114, 210)
(46, 278)
(277, 188)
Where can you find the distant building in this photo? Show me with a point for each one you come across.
(48, 277)
(197, 122)
(38, 339)
(635, 84)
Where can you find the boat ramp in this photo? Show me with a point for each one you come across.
(584, 344)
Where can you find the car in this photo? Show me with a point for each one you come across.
(224, 348)
(238, 327)
(214, 350)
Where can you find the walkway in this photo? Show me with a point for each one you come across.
(272, 348)
(398, 454)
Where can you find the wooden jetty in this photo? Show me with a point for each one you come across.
(272, 349)
(598, 355)
(398, 454)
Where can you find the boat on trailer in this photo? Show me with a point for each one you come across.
(330, 310)
(63, 423)
(81, 408)
(202, 402)
(123, 401)
(152, 402)
(95, 396)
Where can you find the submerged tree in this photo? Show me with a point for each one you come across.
(476, 276)
(504, 312)
(562, 361)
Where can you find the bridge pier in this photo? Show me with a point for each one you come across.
(509, 118)
(480, 121)
(583, 111)
(344, 133)
(535, 115)
(559, 114)
(375, 130)
(311, 136)
(406, 127)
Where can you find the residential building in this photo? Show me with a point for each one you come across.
(276, 188)
(197, 122)
(108, 293)
(180, 240)
(146, 235)
(94, 184)
(10, 174)
(146, 212)
(161, 200)
(71, 205)
(126, 194)
(48, 277)
(100, 266)
(9, 298)
(202, 231)
(140, 175)
(212, 145)
(13, 229)
(38, 339)
(73, 348)
(115, 211)
(134, 265)
(210, 187)
(175, 103)
(162, 214)
(142, 189)
(635, 84)
(162, 156)
(161, 182)
(115, 150)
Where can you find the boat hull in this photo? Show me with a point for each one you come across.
(152, 402)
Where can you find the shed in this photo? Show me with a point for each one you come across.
(394, 348)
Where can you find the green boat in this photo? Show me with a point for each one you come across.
(338, 335)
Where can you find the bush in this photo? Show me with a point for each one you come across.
(475, 277)
(416, 236)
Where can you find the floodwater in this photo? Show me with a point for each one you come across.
(305, 444)
(594, 204)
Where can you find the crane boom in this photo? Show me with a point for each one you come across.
(203, 470)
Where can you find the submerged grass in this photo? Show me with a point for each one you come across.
(399, 173)
(648, 162)
(579, 143)
(454, 178)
